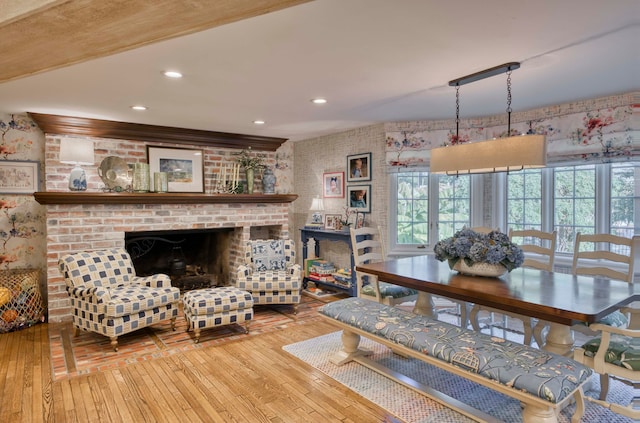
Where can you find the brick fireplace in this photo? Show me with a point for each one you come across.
(94, 219)
(94, 226)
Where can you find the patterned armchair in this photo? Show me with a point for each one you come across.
(270, 273)
(108, 298)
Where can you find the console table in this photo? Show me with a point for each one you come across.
(335, 236)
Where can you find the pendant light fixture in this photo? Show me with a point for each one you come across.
(498, 155)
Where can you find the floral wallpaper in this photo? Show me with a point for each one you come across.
(22, 219)
(609, 133)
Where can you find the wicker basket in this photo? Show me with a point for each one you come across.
(21, 304)
(480, 269)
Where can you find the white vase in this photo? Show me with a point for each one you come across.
(480, 269)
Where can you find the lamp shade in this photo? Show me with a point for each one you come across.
(76, 151)
(499, 155)
(317, 207)
(317, 204)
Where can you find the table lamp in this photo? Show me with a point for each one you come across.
(77, 152)
(317, 207)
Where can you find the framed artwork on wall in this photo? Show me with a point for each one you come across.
(184, 168)
(19, 176)
(359, 198)
(359, 167)
(333, 184)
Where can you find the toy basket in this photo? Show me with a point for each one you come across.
(21, 304)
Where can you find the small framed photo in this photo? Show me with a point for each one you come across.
(360, 220)
(333, 184)
(359, 167)
(332, 221)
(19, 177)
(359, 198)
(184, 169)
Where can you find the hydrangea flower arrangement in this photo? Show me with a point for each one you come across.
(474, 247)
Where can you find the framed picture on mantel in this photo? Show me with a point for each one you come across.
(184, 168)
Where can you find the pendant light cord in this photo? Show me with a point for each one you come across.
(509, 102)
(457, 113)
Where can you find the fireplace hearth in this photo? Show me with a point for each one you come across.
(193, 259)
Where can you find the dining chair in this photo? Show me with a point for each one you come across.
(610, 256)
(614, 353)
(370, 249)
(539, 248)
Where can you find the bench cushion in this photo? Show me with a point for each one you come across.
(546, 375)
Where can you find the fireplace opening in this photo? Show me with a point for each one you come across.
(196, 258)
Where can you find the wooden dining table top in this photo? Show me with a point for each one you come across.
(551, 296)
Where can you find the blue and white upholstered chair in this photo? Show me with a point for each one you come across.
(108, 298)
(270, 272)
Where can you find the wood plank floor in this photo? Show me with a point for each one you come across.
(252, 380)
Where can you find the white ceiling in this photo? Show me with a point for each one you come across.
(374, 60)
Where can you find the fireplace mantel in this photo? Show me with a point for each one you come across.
(157, 198)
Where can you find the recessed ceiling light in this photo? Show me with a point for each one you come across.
(319, 100)
(173, 74)
(139, 107)
(259, 122)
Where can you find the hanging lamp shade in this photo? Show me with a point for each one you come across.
(497, 155)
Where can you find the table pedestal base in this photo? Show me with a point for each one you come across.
(424, 305)
(559, 340)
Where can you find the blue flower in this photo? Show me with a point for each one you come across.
(474, 247)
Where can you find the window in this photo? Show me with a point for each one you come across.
(412, 215)
(454, 204)
(596, 198)
(593, 198)
(574, 199)
(415, 197)
(524, 200)
(624, 210)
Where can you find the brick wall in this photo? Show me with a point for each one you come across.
(94, 226)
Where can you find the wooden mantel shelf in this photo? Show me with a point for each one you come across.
(157, 198)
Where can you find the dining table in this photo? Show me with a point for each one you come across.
(560, 299)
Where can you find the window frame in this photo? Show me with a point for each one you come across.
(476, 212)
(495, 185)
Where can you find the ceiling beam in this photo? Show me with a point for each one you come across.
(42, 35)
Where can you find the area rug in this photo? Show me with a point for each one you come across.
(412, 407)
(90, 352)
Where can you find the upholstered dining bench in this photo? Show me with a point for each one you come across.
(543, 382)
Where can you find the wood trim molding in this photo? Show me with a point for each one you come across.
(157, 198)
(70, 125)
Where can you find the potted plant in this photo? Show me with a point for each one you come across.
(479, 254)
(250, 164)
(345, 222)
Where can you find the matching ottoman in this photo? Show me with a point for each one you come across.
(212, 307)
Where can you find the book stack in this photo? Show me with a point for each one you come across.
(321, 270)
(342, 277)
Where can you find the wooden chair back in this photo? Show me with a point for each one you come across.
(367, 251)
(610, 252)
(539, 247)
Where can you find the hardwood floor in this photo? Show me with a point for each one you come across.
(252, 380)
